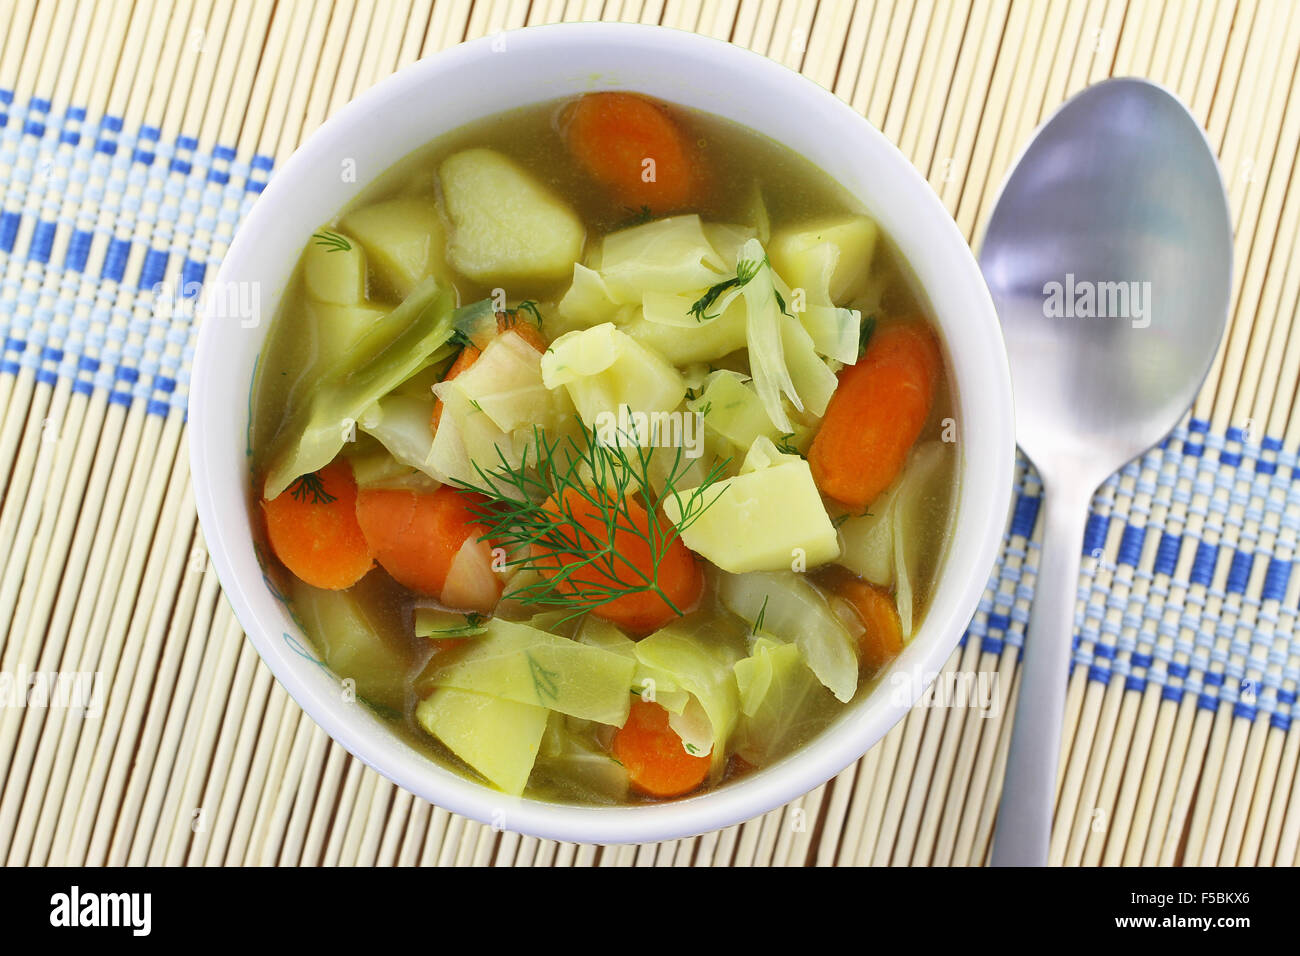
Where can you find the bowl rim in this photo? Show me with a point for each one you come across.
(980, 529)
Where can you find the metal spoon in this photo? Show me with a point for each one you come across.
(1118, 198)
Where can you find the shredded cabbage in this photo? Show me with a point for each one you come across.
(775, 685)
(792, 609)
(885, 546)
(393, 350)
(521, 663)
(698, 657)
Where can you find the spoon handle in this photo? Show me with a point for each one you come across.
(1024, 823)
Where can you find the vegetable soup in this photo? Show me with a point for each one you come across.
(604, 448)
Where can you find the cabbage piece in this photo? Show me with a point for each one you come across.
(834, 331)
(390, 352)
(666, 255)
(775, 685)
(784, 604)
(499, 738)
(521, 663)
(783, 360)
(492, 410)
(886, 546)
(438, 623)
(506, 382)
(401, 424)
(693, 341)
(604, 370)
(698, 657)
(587, 301)
(727, 240)
(769, 517)
(650, 687)
(355, 643)
(572, 762)
(829, 257)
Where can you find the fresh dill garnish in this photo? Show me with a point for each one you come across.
(528, 509)
(784, 446)
(475, 623)
(332, 241)
(691, 749)
(836, 522)
(460, 339)
(762, 611)
(864, 335)
(746, 269)
(545, 682)
(636, 217)
(690, 395)
(475, 405)
(529, 306)
(311, 486)
(706, 408)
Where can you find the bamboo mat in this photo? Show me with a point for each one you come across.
(136, 134)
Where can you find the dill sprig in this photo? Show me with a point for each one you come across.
(311, 486)
(637, 217)
(528, 305)
(865, 332)
(746, 269)
(528, 509)
(332, 241)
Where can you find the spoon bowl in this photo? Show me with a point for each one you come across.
(1109, 257)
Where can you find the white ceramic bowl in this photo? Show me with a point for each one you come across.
(544, 63)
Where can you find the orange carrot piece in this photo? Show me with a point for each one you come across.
(653, 755)
(882, 640)
(415, 535)
(679, 576)
(616, 136)
(876, 414)
(470, 353)
(313, 529)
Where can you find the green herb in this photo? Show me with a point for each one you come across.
(691, 749)
(636, 217)
(529, 306)
(746, 269)
(545, 682)
(332, 241)
(528, 510)
(311, 486)
(784, 445)
(836, 522)
(460, 339)
(864, 335)
(762, 611)
(475, 623)
(475, 405)
(706, 408)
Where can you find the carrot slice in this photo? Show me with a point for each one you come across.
(635, 149)
(629, 565)
(470, 353)
(415, 536)
(876, 414)
(313, 529)
(882, 640)
(653, 755)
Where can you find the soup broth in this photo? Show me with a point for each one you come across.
(528, 600)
